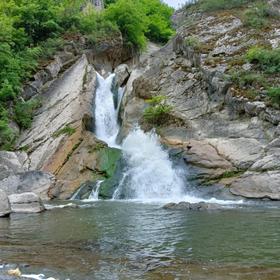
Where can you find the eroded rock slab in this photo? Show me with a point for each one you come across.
(32, 181)
(258, 185)
(26, 203)
(201, 206)
(5, 208)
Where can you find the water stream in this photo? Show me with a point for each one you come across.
(149, 175)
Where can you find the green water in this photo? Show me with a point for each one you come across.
(120, 240)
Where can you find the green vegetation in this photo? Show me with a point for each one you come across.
(274, 94)
(247, 79)
(24, 112)
(193, 42)
(267, 60)
(31, 32)
(67, 130)
(257, 16)
(159, 112)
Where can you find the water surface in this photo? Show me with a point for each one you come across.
(125, 240)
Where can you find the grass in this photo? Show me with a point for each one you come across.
(193, 42)
(257, 16)
(267, 60)
(214, 5)
(274, 94)
(67, 130)
(159, 112)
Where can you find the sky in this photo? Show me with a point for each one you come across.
(175, 3)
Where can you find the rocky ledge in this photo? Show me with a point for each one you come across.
(226, 139)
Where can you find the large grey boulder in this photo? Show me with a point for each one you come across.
(35, 181)
(258, 185)
(5, 208)
(26, 203)
(11, 163)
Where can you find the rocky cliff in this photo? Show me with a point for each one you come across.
(228, 140)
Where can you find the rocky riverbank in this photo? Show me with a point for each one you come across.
(228, 141)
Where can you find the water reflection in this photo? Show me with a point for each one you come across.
(115, 240)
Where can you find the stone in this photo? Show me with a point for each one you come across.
(241, 152)
(65, 102)
(122, 74)
(31, 181)
(201, 206)
(54, 67)
(258, 185)
(269, 162)
(5, 208)
(11, 163)
(26, 203)
(254, 108)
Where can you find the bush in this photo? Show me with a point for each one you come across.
(193, 42)
(266, 59)
(24, 112)
(159, 112)
(245, 79)
(274, 94)
(256, 17)
(67, 130)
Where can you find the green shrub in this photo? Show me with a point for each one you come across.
(256, 17)
(274, 94)
(193, 42)
(245, 79)
(7, 135)
(67, 130)
(266, 59)
(24, 112)
(159, 112)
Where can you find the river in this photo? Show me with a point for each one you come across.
(127, 240)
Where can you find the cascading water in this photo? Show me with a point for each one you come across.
(149, 174)
(106, 112)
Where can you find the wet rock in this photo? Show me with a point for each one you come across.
(5, 208)
(32, 181)
(26, 203)
(201, 206)
(122, 74)
(258, 185)
(85, 190)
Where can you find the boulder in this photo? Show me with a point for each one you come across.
(201, 206)
(258, 185)
(5, 208)
(122, 74)
(26, 203)
(11, 163)
(31, 181)
(241, 152)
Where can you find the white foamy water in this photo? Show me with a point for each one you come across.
(106, 113)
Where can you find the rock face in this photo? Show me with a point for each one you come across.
(5, 208)
(26, 203)
(258, 185)
(31, 181)
(221, 134)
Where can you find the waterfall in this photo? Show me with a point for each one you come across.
(150, 174)
(106, 111)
